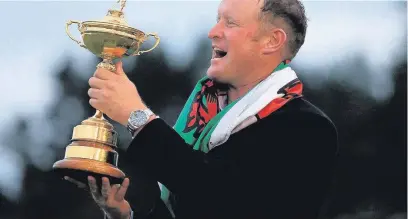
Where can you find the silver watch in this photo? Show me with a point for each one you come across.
(138, 119)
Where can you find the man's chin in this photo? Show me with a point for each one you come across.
(213, 73)
(217, 79)
(217, 75)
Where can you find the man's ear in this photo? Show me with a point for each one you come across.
(275, 40)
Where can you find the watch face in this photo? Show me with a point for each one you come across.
(138, 118)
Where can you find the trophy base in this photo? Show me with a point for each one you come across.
(79, 169)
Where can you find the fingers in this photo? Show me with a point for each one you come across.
(94, 189)
(120, 195)
(96, 104)
(77, 183)
(92, 185)
(94, 93)
(119, 69)
(104, 74)
(115, 189)
(95, 82)
(115, 192)
(106, 188)
(95, 97)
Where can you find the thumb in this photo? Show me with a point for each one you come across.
(119, 68)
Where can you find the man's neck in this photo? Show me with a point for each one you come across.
(239, 89)
(235, 92)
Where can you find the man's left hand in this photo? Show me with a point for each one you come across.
(114, 94)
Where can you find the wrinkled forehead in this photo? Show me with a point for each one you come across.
(240, 8)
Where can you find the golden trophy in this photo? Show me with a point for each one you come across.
(93, 143)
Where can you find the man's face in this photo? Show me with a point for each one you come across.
(236, 49)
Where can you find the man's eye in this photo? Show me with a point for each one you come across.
(230, 22)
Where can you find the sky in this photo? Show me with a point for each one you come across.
(34, 43)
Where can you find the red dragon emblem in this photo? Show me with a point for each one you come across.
(200, 113)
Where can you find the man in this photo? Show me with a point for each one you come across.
(246, 144)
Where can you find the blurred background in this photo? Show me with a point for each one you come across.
(353, 65)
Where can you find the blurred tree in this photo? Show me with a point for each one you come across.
(371, 174)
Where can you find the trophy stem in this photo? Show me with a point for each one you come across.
(107, 64)
(98, 115)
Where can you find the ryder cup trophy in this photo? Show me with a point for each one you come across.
(92, 150)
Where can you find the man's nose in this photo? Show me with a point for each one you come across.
(216, 31)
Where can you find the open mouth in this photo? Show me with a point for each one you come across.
(217, 53)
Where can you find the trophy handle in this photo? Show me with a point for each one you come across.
(154, 46)
(69, 34)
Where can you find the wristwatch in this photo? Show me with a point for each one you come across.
(138, 119)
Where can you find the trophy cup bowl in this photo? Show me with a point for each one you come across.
(92, 150)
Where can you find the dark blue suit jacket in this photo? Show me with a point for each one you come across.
(278, 168)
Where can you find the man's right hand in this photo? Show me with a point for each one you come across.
(111, 199)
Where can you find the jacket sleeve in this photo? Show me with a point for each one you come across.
(164, 156)
(296, 147)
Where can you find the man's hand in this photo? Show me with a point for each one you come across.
(114, 94)
(111, 199)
